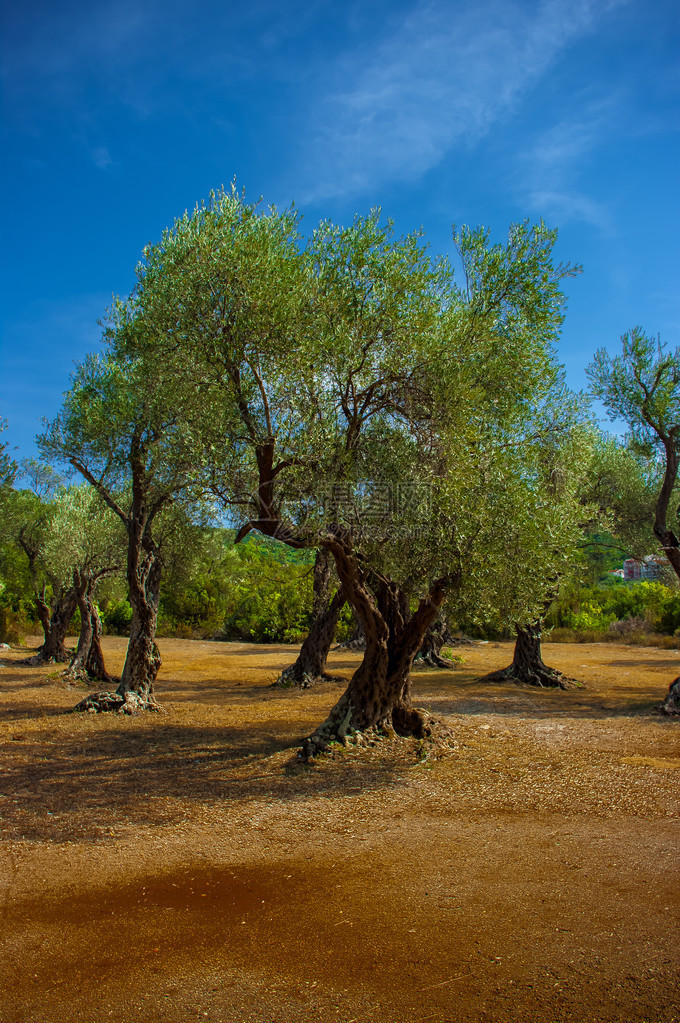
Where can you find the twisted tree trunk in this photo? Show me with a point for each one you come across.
(135, 691)
(430, 651)
(527, 666)
(310, 666)
(671, 705)
(378, 697)
(88, 661)
(55, 622)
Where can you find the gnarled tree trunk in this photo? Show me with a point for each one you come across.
(430, 651)
(88, 661)
(671, 705)
(310, 666)
(55, 622)
(378, 697)
(527, 666)
(143, 659)
(94, 665)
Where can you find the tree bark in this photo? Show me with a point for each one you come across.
(55, 622)
(310, 666)
(430, 651)
(527, 666)
(378, 697)
(671, 705)
(94, 665)
(88, 661)
(135, 691)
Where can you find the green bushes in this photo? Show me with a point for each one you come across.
(116, 617)
(270, 600)
(12, 627)
(258, 591)
(618, 611)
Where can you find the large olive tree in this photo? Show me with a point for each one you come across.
(354, 399)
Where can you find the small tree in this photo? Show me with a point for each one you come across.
(120, 428)
(563, 461)
(27, 521)
(87, 540)
(642, 387)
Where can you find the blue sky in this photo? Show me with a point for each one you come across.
(118, 116)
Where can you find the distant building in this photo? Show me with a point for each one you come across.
(648, 568)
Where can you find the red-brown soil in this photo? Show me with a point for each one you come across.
(184, 866)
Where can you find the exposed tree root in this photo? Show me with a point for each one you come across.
(404, 722)
(110, 702)
(541, 678)
(38, 659)
(431, 659)
(528, 668)
(292, 679)
(81, 677)
(671, 705)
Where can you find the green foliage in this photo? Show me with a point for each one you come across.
(13, 626)
(270, 597)
(642, 387)
(258, 591)
(116, 617)
(651, 606)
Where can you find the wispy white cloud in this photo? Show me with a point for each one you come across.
(549, 172)
(445, 76)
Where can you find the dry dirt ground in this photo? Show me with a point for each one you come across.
(185, 867)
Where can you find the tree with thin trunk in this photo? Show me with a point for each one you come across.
(27, 520)
(86, 540)
(642, 387)
(121, 430)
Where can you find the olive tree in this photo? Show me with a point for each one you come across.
(342, 377)
(641, 386)
(120, 428)
(86, 540)
(27, 519)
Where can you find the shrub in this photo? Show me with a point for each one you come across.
(12, 627)
(653, 606)
(628, 627)
(589, 618)
(117, 617)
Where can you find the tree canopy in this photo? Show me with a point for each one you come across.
(642, 387)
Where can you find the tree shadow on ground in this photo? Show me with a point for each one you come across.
(470, 696)
(507, 707)
(58, 787)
